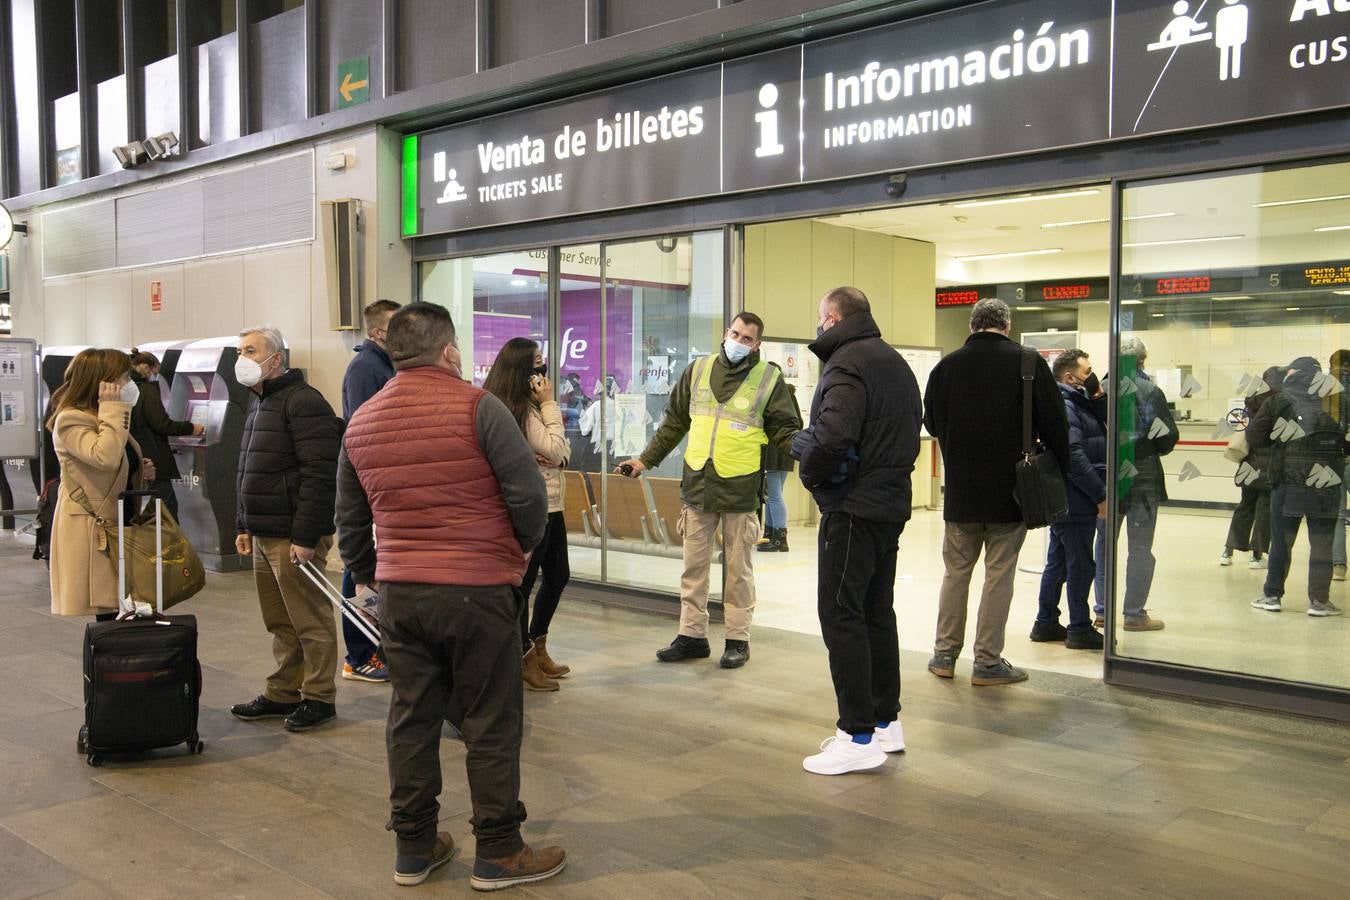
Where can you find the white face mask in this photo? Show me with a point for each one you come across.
(735, 350)
(247, 372)
(130, 392)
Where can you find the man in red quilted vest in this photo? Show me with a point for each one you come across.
(443, 472)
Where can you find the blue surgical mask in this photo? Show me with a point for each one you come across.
(735, 350)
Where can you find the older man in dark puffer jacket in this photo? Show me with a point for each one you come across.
(287, 483)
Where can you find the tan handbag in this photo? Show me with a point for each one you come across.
(156, 564)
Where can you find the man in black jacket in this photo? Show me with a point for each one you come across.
(370, 369)
(973, 406)
(151, 427)
(287, 484)
(856, 460)
(1068, 560)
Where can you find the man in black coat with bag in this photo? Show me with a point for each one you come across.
(856, 460)
(973, 407)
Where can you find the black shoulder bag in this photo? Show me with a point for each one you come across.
(1039, 488)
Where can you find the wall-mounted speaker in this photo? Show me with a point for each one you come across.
(344, 261)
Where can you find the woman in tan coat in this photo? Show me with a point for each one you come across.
(90, 418)
(519, 379)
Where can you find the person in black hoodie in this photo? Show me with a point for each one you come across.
(974, 408)
(856, 460)
(1308, 445)
(287, 487)
(152, 427)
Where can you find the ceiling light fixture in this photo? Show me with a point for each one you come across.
(1166, 215)
(1003, 201)
(1292, 308)
(1342, 293)
(1158, 315)
(518, 282)
(1132, 303)
(1300, 201)
(1203, 240)
(1333, 228)
(979, 256)
(1235, 297)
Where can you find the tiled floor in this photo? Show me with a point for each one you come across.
(1210, 621)
(674, 781)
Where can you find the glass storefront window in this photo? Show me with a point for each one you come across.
(1232, 410)
(492, 299)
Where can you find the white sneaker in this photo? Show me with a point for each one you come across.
(890, 739)
(839, 755)
(1268, 603)
(1257, 564)
(1226, 559)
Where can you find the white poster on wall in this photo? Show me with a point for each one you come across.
(630, 424)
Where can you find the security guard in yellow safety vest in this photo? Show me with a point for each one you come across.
(730, 405)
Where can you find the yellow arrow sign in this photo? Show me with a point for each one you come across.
(347, 86)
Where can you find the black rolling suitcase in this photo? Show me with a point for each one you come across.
(142, 680)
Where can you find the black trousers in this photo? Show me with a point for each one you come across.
(1250, 528)
(551, 557)
(856, 602)
(445, 644)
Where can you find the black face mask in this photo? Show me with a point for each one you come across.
(1092, 385)
(820, 331)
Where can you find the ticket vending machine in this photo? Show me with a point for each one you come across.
(205, 392)
(167, 352)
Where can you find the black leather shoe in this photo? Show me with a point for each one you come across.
(683, 648)
(1043, 633)
(310, 714)
(735, 655)
(262, 708)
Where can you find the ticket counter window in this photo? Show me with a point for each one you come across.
(1232, 391)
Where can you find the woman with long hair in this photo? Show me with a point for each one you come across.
(90, 420)
(519, 379)
(151, 427)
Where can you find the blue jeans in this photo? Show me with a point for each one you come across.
(775, 507)
(359, 647)
(1068, 560)
(1283, 532)
(1140, 518)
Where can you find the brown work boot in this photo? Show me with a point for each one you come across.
(546, 662)
(535, 679)
(527, 866)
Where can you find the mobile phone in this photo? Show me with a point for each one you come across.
(626, 470)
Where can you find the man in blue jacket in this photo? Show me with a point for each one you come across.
(1069, 558)
(366, 374)
(857, 457)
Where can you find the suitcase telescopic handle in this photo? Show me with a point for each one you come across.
(122, 499)
(344, 606)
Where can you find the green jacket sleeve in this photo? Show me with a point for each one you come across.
(782, 417)
(674, 425)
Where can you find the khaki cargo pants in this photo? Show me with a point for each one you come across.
(740, 531)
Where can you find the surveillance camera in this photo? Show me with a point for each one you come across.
(162, 146)
(130, 155)
(896, 184)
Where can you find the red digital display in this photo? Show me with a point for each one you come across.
(1066, 292)
(958, 298)
(1189, 284)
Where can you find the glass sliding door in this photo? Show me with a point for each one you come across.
(1234, 373)
(618, 324)
(631, 317)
